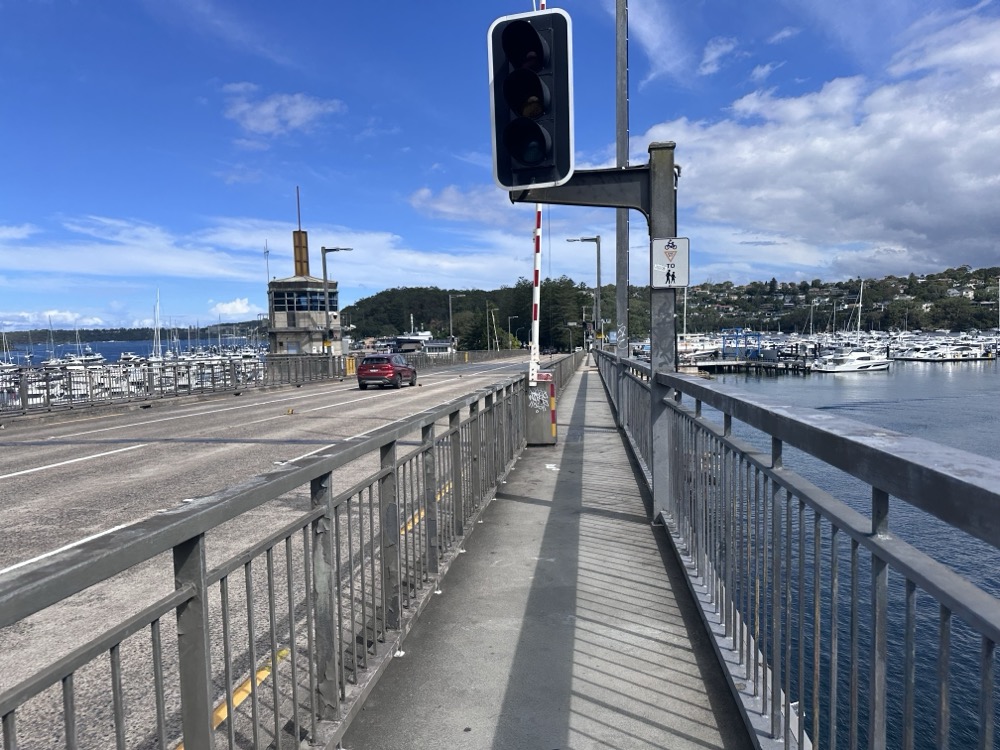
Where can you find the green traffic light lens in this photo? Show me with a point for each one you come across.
(526, 141)
(523, 47)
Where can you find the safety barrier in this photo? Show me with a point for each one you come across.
(27, 390)
(833, 630)
(327, 575)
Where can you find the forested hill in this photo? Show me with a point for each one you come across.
(507, 309)
(955, 299)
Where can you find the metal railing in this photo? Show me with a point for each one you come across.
(320, 575)
(833, 631)
(27, 390)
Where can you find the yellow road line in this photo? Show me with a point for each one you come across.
(243, 691)
(419, 515)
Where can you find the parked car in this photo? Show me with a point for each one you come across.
(385, 369)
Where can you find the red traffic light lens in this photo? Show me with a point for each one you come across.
(523, 47)
(526, 141)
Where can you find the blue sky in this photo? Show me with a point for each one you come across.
(156, 145)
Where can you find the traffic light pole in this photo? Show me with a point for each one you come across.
(651, 189)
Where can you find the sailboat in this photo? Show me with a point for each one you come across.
(854, 358)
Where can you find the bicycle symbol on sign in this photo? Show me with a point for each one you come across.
(671, 245)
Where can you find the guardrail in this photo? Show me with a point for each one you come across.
(28, 390)
(832, 630)
(327, 578)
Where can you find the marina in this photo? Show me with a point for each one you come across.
(106, 371)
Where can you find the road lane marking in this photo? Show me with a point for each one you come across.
(50, 553)
(72, 461)
(297, 397)
(244, 690)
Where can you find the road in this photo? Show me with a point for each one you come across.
(69, 477)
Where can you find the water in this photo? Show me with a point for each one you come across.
(112, 350)
(953, 404)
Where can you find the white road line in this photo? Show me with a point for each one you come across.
(50, 553)
(72, 461)
(296, 397)
(352, 437)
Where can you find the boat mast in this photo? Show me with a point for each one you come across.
(861, 292)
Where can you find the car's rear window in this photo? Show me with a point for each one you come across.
(375, 361)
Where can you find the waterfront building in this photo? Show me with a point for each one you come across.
(297, 309)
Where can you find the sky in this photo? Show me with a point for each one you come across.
(153, 148)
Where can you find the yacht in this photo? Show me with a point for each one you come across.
(850, 360)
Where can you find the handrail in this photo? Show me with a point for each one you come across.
(822, 616)
(343, 579)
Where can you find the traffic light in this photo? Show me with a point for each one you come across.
(531, 99)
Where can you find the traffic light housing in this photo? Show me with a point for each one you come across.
(531, 99)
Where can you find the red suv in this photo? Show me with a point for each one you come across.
(385, 369)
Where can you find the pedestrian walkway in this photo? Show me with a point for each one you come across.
(566, 625)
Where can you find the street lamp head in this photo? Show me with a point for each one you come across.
(596, 238)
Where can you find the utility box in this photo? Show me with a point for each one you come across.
(540, 407)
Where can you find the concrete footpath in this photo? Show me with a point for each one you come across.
(566, 624)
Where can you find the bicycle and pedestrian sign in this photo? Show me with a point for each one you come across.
(671, 262)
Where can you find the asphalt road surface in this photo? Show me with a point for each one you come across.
(68, 477)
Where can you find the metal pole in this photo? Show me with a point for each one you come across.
(663, 326)
(598, 322)
(621, 161)
(328, 333)
(510, 336)
(597, 292)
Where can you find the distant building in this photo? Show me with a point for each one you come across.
(297, 309)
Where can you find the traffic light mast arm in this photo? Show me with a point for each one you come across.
(610, 188)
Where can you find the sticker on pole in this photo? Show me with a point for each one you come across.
(671, 262)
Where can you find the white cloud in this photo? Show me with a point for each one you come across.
(276, 114)
(714, 55)
(481, 204)
(761, 73)
(654, 28)
(788, 32)
(208, 18)
(237, 309)
(859, 177)
(18, 232)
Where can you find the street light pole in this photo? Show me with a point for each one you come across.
(597, 294)
(510, 336)
(327, 336)
(451, 328)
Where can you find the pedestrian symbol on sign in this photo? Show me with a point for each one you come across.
(670, 267)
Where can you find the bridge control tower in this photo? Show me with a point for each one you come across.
(297, 308)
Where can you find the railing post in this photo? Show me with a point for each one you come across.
(190, 572)
(475, 453)
(455, 427)
(776, 652)
(389, 512)
(490, 443)
(324, 572)
(430, 497)
(879, 653)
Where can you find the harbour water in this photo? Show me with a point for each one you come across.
(951, 404)
(112, 350)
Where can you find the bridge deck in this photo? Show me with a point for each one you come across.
(567, 624)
